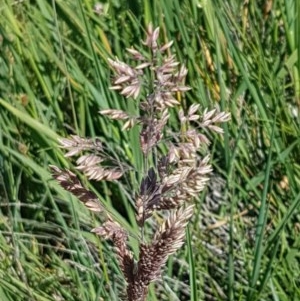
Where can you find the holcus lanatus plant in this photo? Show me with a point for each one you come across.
(176, 165)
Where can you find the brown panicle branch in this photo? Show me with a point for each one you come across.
(70, 182)
(167, 240)
(113, 231)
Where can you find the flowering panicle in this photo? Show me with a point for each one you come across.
(113, 231)
(170, 181)
(90, 163)
(70, 182)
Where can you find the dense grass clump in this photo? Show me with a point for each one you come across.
(241, 56)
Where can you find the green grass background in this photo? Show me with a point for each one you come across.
(54, 78)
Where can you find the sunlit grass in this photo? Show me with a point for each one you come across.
(54, 80)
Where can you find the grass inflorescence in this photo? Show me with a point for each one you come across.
(241, 57)
(170, 179)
